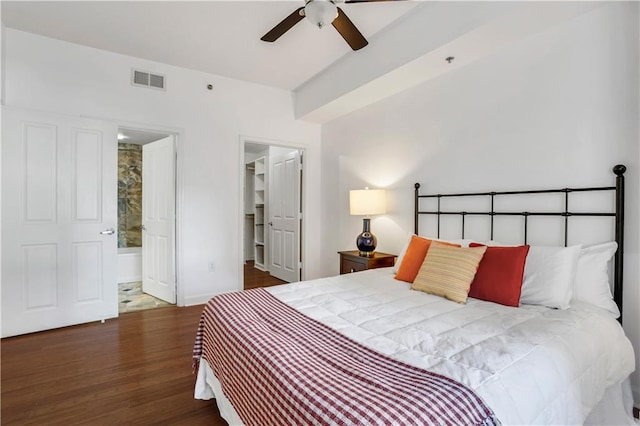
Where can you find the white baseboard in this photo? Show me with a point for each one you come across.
(197, 300)
(129, 279)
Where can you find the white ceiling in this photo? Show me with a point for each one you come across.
(416, 51)
(408, 40)
(219, 37)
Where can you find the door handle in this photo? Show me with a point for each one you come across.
(270, 223)
(143, 228)
(109, 231)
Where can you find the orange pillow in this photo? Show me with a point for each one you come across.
(414, 256)
(499, 276)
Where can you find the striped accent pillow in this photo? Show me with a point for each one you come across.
(448, 271)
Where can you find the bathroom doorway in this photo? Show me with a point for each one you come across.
(146, 219)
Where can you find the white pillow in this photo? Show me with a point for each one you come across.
(494, 243)
(592, 279)
(461, 243)
(549, 276)
(402, 253)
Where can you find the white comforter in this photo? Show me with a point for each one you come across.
(530, 364)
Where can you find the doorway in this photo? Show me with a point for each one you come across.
(272, 213)
(146, 219)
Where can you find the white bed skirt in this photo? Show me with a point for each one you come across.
(615, 408)
(208, 386)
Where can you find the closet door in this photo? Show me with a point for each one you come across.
(59, 199)
(284, 217)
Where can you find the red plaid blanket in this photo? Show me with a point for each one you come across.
(278, 366)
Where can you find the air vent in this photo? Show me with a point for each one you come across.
(147, 79)
(156, 81)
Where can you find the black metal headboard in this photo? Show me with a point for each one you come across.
(618, 213)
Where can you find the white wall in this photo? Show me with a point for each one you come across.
(50, 75)
(559, 109)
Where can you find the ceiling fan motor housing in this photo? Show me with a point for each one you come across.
(320, 12)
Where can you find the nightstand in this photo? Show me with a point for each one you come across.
(351, 261)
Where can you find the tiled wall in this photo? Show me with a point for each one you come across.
(129, 195)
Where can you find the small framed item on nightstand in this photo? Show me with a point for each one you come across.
(351, 261)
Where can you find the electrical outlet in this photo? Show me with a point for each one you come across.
(212, 266)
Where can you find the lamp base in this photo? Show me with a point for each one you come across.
(366, 241)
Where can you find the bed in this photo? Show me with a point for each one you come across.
(367, 348)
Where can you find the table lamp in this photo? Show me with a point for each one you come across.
(367, 202)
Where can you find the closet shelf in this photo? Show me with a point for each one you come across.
(260, 184)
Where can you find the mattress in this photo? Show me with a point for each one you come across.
(531, 365)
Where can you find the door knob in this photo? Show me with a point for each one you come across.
(109, 231)
(270, 223)
(142, 227)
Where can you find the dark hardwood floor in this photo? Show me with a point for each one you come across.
(135, 369)
(254, 278)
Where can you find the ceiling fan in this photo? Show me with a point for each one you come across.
(320, 13)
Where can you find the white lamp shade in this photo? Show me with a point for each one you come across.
(367, 202)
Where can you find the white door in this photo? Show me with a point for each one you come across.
(59, 201)
(158, 213)
(284, 217)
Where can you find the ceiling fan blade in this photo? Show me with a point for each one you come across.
(285, 25)
(348, 31)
